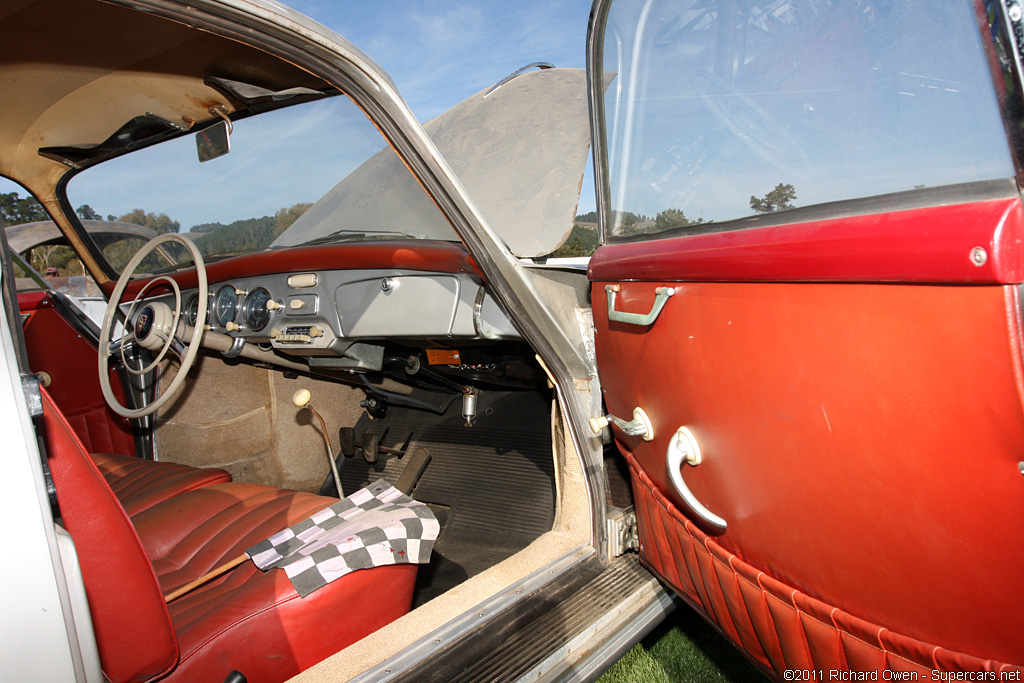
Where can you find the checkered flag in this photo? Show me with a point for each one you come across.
(375, 526)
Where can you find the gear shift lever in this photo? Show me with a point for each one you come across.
(301, 399)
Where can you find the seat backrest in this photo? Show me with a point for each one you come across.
(56, 346)
(134, 632)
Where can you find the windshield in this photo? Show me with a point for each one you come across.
(717, 110)
(279, 186)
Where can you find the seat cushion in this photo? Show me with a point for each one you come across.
(140, 484)
(249, 620)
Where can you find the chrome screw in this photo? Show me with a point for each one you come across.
(1015, 13)
(979, 256)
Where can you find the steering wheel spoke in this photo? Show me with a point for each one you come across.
(126, 342)
(152, 327)
(179, 349)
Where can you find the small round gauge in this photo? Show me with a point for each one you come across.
(225, 305)
(257, 315)
(192, 310)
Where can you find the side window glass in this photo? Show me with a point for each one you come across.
(719, 110)
(31, 234)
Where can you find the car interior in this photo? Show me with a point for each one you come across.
(420, 378)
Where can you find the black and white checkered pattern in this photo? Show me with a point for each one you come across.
(375, 526)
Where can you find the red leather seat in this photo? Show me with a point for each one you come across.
(245, 620)
(141, 484)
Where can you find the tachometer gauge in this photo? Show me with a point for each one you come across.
(225, 305)
(257, 315)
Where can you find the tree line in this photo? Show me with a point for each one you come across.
(241, 236)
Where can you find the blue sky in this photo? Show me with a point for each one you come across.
(439, 53)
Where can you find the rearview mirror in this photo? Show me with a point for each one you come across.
(213, 142)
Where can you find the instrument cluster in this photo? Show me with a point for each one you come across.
(225, 303)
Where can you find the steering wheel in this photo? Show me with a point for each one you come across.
(154, 327)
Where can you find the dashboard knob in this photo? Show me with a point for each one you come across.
(241, 292)
(315, 332)
(273, 333)
(296, 304)
(273, 305)
(232, 326)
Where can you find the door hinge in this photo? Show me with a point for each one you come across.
(622, 533)
(30, 384)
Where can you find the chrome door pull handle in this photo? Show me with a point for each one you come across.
(662, 295)
(684, 450)
(640, 425)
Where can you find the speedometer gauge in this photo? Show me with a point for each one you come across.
(225, 305)
(257, 315)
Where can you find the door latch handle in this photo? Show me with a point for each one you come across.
(661, 296)
(684, 450)
(640, 425)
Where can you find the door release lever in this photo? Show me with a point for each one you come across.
(640, 425)
(684, 450)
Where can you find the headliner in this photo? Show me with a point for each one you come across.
(74, 71)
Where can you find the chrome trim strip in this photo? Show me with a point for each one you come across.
(519, 72)
(602, 650)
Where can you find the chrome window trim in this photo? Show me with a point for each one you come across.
(1002, 39)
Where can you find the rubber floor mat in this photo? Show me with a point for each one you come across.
(494, 480)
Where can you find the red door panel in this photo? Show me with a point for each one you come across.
(862, 441)
(56, 348)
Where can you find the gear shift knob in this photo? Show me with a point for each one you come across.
(301, 398)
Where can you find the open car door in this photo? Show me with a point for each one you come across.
(808, 322)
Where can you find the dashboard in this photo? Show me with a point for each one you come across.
(331, 318)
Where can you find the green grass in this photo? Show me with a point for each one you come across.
(683, 648)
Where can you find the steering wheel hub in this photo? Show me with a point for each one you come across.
(154, 325)
(144, 323)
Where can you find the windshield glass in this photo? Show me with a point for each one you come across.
(279, 186)
(720, 109)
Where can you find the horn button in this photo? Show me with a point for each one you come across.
(153, 325)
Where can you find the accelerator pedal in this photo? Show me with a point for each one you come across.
(417, 463)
